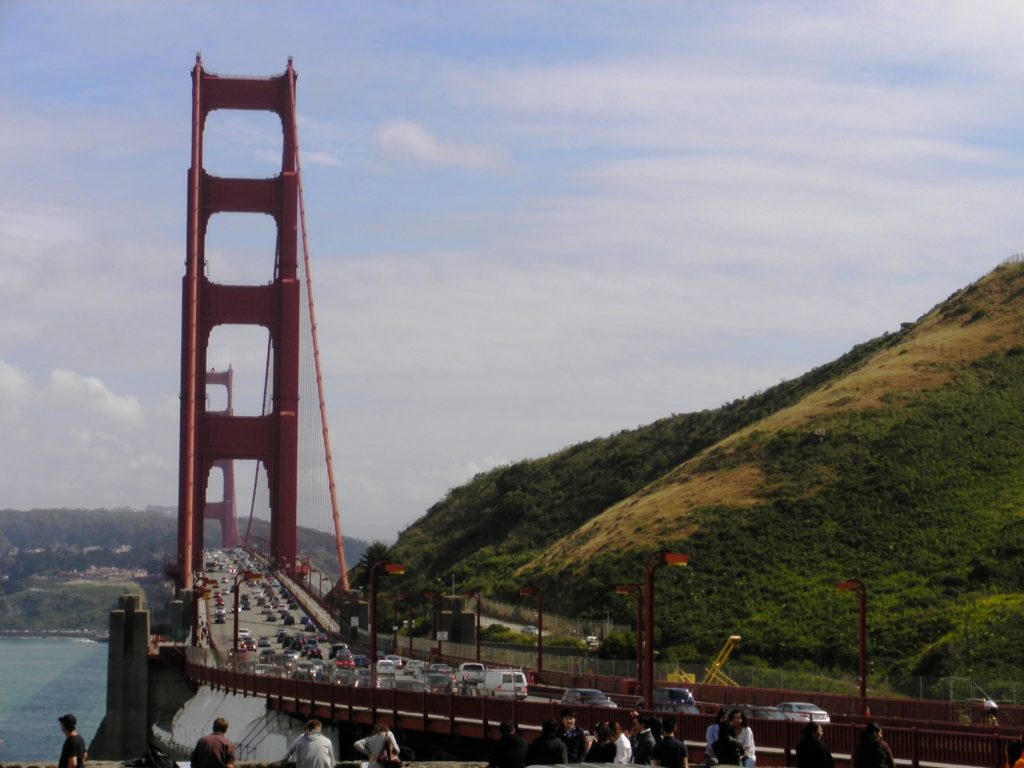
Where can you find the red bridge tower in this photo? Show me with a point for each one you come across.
(206, 437)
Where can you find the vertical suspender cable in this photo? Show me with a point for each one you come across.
(339, 540)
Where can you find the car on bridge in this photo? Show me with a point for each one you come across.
(587, 697)
(675, 700)
(336, 648)
(344, 660)
(470, 675)
(439, 682)
(758, 711)
(805, 711)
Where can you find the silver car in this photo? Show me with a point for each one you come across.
(802, 710)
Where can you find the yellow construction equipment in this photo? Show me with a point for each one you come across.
(681, 676)
(715, 675)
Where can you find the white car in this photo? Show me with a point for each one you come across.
(802, 710)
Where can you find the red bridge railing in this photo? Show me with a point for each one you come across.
(476, 717)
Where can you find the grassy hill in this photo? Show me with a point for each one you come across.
(901, 463)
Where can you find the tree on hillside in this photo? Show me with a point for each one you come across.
(359, 576)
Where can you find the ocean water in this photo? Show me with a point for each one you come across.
(40, 680)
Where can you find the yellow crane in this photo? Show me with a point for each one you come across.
(715, 675)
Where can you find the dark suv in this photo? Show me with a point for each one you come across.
(675, 700)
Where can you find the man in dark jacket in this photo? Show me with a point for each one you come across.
(645, 742)
(510, 750)
(670, 752)
(574, 738)
(811, 751)
(547, 749)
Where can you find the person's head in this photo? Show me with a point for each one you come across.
(68, 722)
(313, 726)
(726, 730)
(549, 726)
(220, 725)
(871, 732)
(654, 724)
(381, 726)
(720, 716)
(616, 728)
(603, 732)
(812, 730)
(507, 728)
(568, 718)
(668, 725)
(738, 720)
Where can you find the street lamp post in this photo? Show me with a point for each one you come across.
(658, 559)
(246, 576)
(430, 594)
(531, 589)
(857, 586)
(635, 589)
(475, 593)
(396, 569)
(200, 591)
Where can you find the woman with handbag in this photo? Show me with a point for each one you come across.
(381, 747)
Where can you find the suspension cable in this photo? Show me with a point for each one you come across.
(339, 540)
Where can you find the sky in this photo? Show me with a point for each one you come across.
(530, 224)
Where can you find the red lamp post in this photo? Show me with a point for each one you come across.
(475, 593)
(658, 559)
(431, 594)
(636, 589)
(530, 589)
(857, 586)
(395, 569)
(407, 598)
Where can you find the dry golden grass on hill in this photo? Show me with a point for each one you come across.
(976, 321)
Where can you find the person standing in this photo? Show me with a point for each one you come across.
(711, 736)
(214, 750)
(811, 751)
(623, 746)
(547, 749)
(645, 742)
(728, 750)
(72, 754)
(746, 737)
(603, 749)
(510, 749)
(374, 744)
(312, 749)
(670, 752)
(872, 751)
(573, 737)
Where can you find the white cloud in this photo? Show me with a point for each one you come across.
(75, 390)
(410, 141)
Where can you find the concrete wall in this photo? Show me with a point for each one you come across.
(122, 734)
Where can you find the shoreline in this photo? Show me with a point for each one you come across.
(73, 634)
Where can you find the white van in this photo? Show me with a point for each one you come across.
(505, 683)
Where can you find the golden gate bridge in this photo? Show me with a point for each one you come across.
(294, 484)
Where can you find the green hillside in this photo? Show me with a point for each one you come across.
(901, 463)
